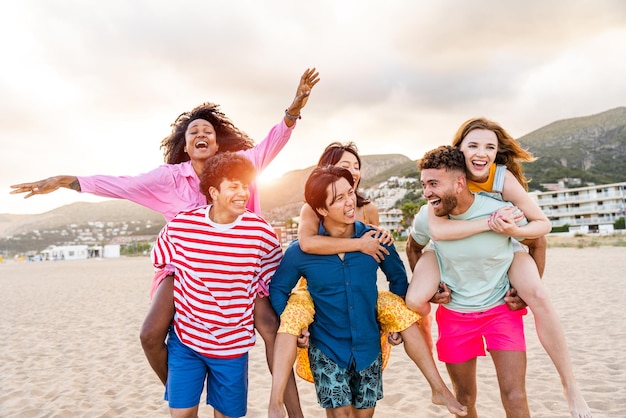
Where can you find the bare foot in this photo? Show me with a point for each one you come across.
(577, 406)
(447, 399)
(276, 410)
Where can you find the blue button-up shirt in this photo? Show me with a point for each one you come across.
(344, 293)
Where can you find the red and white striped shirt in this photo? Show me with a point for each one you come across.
(218, 267)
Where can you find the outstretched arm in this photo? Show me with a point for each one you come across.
(313, 243)
(46, 185)
(308, 80)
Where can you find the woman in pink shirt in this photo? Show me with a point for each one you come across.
(174, 186)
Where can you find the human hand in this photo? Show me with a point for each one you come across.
(395, 338)
(384, 236)
(369, 244)
(506, 221)
(442, 296)
(46, 185)
(303, 338)
(307, 81)
(513, 301)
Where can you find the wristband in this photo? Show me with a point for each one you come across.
(292, 117)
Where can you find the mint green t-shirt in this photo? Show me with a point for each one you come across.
(474, 268)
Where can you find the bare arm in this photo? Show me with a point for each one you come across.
(413, 251)
(537, 250)
(538, 223)
(308, 80)
(443, 228)
(46, 185)
(313, 243)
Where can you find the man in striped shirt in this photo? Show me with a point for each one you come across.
(223, 256)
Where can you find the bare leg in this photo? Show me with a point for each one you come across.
(266, 322)
(349, 412)
(525, 278)
(284, 357)
(511, 372)
(463, 376)
(156, 325)
(187, 412)
(424, 283)
(419, 351)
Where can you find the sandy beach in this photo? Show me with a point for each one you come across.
(70, 345)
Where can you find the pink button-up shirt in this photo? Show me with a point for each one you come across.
(172, 188)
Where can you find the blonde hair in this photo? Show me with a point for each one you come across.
(510, 152)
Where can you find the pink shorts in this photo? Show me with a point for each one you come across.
(461, 334)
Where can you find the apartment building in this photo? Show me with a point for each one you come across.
(591, 209)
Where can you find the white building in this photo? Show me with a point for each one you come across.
(585, 209)
(65, 252)
(390, 219)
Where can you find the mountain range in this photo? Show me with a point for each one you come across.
(591, 148)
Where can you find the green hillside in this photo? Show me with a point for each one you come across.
(592, 148)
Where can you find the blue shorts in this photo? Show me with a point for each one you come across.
(337, 387)
(226, 379)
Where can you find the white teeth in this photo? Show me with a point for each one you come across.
(202, 144)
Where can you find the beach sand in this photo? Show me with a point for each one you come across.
(70, 344)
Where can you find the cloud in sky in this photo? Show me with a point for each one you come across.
(91, 87)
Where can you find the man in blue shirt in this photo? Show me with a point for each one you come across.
(344, 351)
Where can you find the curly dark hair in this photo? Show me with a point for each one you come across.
(332, 155)
(317, 183)
(225, 166)
(446, 156)
(228, 136)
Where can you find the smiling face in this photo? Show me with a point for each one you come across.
(229, 200)
(480, 148)
(349, 162)
(200, 140)
(440, 188)
(340, 203)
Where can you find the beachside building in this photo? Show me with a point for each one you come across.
(65, 252)
(390, 219)
(591, 209)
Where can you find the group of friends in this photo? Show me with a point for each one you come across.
(221, 273)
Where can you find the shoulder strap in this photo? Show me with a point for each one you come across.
(498, 180)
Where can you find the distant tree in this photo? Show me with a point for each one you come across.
(409, 210)
(620, 223)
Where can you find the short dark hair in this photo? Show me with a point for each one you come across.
(225, 166)
(446, 156)
(318, 181)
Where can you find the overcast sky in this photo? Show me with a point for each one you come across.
(91, 87)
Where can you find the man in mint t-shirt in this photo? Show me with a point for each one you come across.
(475, 270)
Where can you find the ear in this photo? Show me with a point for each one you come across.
(322, 211)
(461, 183)
(185, 149)
(213, 192)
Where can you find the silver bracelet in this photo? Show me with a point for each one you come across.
(292, 117)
